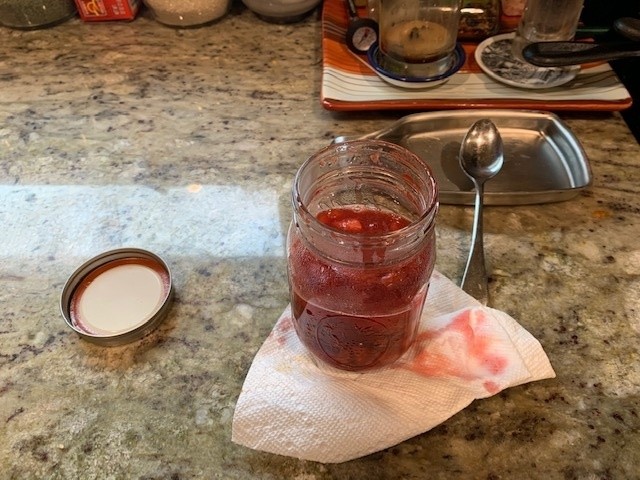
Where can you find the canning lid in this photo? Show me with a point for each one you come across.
(118, 296)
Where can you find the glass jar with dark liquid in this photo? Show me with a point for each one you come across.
(361, 250)
(417, 37)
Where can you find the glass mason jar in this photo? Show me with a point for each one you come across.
(479, 19)
(361, 250)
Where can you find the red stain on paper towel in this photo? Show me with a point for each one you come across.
(491, 387)
(461, 349)
(282, 328)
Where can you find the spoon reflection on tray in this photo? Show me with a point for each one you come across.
(449, 161)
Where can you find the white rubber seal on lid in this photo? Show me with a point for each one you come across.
(118, 296)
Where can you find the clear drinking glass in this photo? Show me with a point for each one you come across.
(418, 31)
(547, 21)
(361, 250)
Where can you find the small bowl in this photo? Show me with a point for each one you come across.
(453, 63)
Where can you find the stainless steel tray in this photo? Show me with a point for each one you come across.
(543, 160)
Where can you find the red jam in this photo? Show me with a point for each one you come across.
(357, 316)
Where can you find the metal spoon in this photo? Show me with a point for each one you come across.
(481, 158)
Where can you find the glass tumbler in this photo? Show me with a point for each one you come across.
(360, 251)
(418, 31)
(547, 21)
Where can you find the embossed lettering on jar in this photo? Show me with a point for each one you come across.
(361, 250)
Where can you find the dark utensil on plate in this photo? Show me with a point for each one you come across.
(562, 54)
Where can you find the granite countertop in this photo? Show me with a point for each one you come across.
(185, 143)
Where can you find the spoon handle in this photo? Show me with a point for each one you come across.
(474, 279)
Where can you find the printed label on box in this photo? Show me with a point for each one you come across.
(98, 10)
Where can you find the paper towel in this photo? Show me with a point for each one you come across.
(291, 404)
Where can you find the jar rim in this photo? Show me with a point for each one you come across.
(423, 222)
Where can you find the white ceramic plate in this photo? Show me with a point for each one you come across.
(495, 58)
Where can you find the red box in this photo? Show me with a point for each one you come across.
(101, 10)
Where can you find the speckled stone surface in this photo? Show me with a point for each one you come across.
(185, 142)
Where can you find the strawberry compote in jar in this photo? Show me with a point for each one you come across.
(361, 250)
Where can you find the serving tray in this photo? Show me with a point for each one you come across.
(543, 160)
(349, 83)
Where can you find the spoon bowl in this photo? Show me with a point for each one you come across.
(482, 151)
(481, 158)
